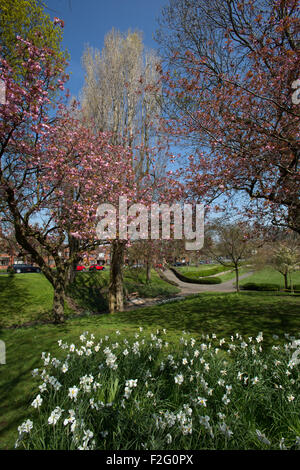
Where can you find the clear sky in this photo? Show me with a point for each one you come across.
(88, 21)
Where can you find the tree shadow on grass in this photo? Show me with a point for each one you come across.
(13, 296)
(15, 398)
(222, 314)
(87, 291)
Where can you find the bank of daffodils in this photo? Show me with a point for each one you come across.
(144, 393)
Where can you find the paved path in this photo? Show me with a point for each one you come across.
(186, 289)
(190, 288)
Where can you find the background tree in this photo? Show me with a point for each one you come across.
(229, 92)
(27, 18)
(231, 244)
(8, 243)
(285, 260)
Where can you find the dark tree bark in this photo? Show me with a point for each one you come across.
(285, 280)
(148, 271)
(116, 293)
(237, 284)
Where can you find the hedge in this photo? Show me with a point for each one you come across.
(260, 286)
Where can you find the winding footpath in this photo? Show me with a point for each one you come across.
(190, 288)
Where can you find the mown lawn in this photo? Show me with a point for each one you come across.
(222, 314)
(194, 272)
(262, 276)
(27, 298)
(231, 274)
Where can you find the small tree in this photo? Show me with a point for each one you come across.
(230, 245)
(285, 260)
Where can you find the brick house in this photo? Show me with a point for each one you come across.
(100, 256)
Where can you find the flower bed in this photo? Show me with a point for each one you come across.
(207, 394)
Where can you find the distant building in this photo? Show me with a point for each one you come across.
(5, 260)
(101, 256)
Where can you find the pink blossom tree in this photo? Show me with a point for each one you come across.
(232, 89)
(54, 172)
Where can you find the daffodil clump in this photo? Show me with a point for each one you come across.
(145, 393)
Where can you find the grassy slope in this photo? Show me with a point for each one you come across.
(231, 275)
(201, 271)
(194, 272)
(135, 281)
(223, 314)
(25, 297)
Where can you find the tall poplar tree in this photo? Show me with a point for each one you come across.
(119, 96)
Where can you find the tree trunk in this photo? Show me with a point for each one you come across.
(74, 248)
(291, 283)
(116, 294)
(237, 285)
(58, 302)
(285, 281)
(148, 271)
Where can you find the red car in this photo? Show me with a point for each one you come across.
(80, 268)
(96, 267)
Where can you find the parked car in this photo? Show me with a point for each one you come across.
(23, 268)
(80, 268)
(96, 267)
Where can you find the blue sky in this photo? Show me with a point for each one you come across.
(88, 21)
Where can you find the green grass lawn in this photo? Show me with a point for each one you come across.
(269, 275)
(27, 298)
(231, 274)
(135, 281)
(194, 272)
(223, 314)
(201, 267)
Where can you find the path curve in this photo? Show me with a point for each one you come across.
(186, 289)
(190, 288)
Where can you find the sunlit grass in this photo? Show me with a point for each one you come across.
(27, 298)
(269, 275)
(223, 314)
